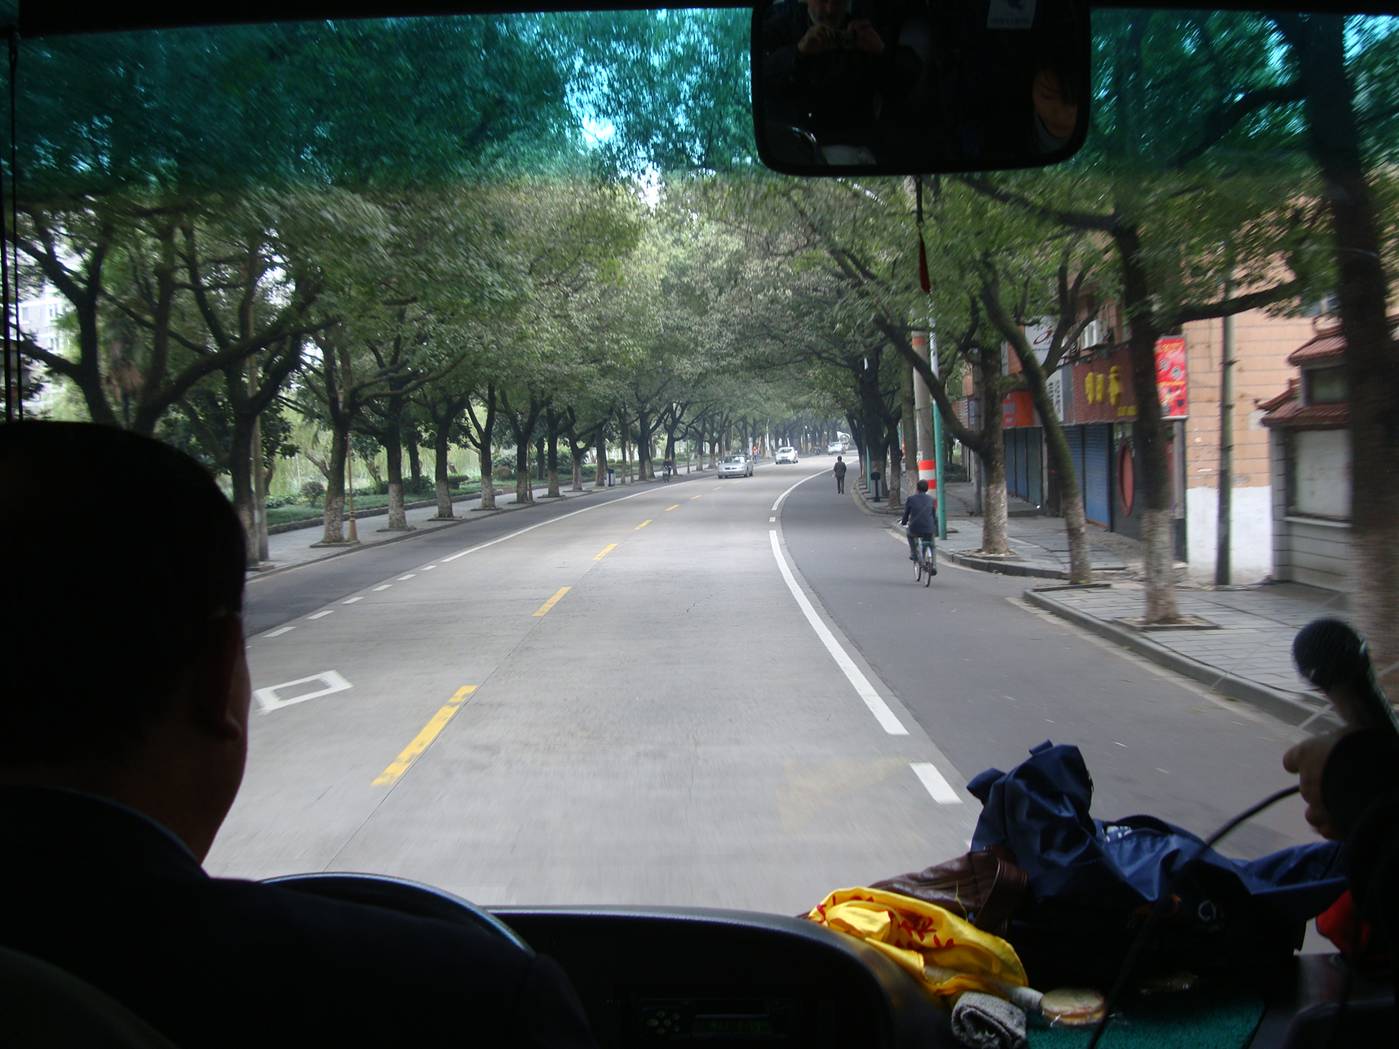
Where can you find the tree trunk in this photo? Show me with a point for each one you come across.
(909, 417)
(524, 485)
(398, 517)
(552, 458)
(626, 464)
(995, 508)
(415, 465)
(643, 446)
(1372, 363)
(600, 469)
(896, 458)
(334, 511)
(577, 485)
(240, 473)
(442, 468)
(487, 460)
(1062, 463)
(1148, 433)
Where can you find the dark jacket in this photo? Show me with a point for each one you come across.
(920, 514)
(839, 468)
(113, 898)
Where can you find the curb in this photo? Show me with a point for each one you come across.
(999, 567)
(254, 575)
(1290, 707)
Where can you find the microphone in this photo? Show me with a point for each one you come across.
(1331, 654)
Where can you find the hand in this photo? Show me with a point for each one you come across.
(865, 37)
(1308, 760)
(818, 40)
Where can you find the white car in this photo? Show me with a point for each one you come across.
(736, 466)
(835, 448)
(786, 454)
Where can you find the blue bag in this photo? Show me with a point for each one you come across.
(1091, 882)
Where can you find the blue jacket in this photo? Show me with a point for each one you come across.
(920, 514)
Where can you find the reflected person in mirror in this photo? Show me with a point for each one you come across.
(829, 70)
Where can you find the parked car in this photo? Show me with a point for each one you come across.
(736, 466)
(786, 454)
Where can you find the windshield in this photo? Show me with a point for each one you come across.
(464, 314)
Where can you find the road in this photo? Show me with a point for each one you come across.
(681, 695)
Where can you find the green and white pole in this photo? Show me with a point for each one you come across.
(939, 473)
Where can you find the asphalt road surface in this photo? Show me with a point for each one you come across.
(688, 694)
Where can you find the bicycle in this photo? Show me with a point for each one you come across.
(926, 566)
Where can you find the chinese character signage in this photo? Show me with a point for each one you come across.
(1103, 390)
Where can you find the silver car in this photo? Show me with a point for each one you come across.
(736, 466)
(786, 454)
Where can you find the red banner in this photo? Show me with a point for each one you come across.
(1017, 410)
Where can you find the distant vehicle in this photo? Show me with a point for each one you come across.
(786, 454)
(736, 466)
(835, 448)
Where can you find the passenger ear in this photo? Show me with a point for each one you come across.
(220, 690)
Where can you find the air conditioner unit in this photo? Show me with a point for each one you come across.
(1092, 335)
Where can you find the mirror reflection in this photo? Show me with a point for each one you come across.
(917, 85)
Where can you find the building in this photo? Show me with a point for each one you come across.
(1094, 397)
(40, 319)
(1309, 455)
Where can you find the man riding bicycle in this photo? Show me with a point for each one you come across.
(920, 516)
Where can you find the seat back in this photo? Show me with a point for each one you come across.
(45, 1007)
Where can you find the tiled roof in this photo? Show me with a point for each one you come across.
(1328, 345)
(1309, 417)
(1274, 403)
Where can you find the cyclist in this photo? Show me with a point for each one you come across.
(920, 516)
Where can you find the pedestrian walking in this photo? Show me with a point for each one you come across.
(840, 475)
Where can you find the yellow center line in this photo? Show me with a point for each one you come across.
(642, 525)
(675, 506)
(605, 551)
(543, 609)
(423, 739)
(694, 497)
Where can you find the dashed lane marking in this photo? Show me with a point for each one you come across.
(938, 787)
(642, 525)
(423, 739)
(543, 609)
(352, 600)
(321, 614)
(604, 551)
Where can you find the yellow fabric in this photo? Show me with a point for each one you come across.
(920, 936)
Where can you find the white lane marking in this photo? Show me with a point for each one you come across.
(279, 631)
(1122, 745)
(778, 504)
(331, 682)
(382, 587)
(540, 524)
(938, 787)
(772, 520)
(405, 578)
(427, 568)
(352, 600)
(321, 615)
(857, 679)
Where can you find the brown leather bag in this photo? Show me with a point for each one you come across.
(982, 887)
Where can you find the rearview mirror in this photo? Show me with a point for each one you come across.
(905, 87)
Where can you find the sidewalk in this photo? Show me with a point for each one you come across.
(295, 548)
(1238, 641)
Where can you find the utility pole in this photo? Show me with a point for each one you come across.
(1226, 450)
(938, 471)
